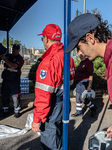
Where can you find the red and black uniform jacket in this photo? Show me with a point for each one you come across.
(49, 79)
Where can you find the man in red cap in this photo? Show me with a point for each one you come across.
(49, 89)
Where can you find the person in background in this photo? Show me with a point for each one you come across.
(84, 77)
(48, 103)
(11, 80)
(92, 36)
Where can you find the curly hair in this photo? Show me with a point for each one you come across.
(101, 32)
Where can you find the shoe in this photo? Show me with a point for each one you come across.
(76, 115)
(93, 111)
(17, 115)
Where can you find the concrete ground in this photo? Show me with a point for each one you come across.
(80, 128)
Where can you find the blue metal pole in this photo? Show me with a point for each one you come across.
(67, 19)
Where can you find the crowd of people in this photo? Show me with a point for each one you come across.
(93, 40)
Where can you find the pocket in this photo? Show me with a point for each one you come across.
(51, 137)
(48, 140)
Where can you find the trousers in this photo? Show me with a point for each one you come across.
(80, 87)
(11, 88)
(51, 130)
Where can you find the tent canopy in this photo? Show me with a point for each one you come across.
(11, 11)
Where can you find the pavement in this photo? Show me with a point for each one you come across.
(79, 131)
(81, 128)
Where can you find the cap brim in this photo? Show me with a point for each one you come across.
(71, 46)
(39, 34)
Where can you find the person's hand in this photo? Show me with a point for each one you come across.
(109, 132)
(3, 57)
(36, 127)
(89, 89)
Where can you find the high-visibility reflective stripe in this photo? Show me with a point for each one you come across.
(79, 104)
(17, 108)
(45, 87)
(92, 105)
(65, 121)
(49, 88)
(72, 69)
(71, 82)
(78, 108)
(89, 104)
(72, 72)
(5, 108)
(10, 69)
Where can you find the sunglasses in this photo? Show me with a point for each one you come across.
(42, 39)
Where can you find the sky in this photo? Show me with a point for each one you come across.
(44, 12)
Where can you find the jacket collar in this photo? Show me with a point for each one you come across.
(108, 52)
(53, 49)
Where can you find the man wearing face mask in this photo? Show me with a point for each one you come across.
(84, 77)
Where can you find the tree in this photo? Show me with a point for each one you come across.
(11, 42)
(17, 42)
(77, 13)
(87, 11)
(4, 42)
(94, 11)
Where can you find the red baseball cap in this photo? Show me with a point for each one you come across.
(52, 31)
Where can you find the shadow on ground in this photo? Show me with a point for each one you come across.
(31, 145)
(23, 111)
(77, 135)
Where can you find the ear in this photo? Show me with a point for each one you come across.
(90, 38)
